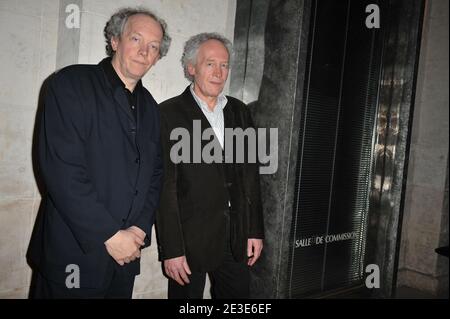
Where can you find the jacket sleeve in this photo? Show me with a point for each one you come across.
(147, 218)
(168, 223)
(252, 190)
(64, 168)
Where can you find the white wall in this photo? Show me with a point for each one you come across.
(184, 19)
(30, 47)
(28, 37)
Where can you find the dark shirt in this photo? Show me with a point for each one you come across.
(115, 81)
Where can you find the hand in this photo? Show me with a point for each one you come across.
(138, 232)
(254, 247)
(124, 246)
(178, 269)
(141, 234)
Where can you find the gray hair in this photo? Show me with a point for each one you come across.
(116, 24)
(193, 44)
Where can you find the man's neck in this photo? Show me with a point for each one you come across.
(130, 84)
(211, 101)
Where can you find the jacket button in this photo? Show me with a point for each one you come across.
(137, 160)
(136, 192)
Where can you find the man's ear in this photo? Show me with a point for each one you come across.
(114, 43)
(191, 69)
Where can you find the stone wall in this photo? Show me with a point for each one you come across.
(425, 221)
(36, 42)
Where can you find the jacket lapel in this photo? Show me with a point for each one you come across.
(228, 117)
(193, 110)
(118, 93)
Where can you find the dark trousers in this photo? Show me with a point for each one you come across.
(119, 287)
(231, 280)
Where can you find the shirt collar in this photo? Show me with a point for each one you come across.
(220, 105)
(114, 78)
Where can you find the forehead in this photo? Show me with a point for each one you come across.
(213, 49)
(143, 24)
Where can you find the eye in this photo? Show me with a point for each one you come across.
(154, 47)
(134, 38)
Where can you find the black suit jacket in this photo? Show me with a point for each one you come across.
(102, 170)
(194, 199)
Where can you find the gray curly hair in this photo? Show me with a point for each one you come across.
(193, 44)
(116, 24)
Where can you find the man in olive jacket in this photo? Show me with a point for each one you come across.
(210, 217)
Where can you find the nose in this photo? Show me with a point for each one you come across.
(143, 50)
(217, 71)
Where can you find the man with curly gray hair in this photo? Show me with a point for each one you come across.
(116, 25)
(99, 155)
(210, 218)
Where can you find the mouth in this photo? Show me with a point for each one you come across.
(144, 64)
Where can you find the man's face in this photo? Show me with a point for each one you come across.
(211, 70)
(137, 50)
